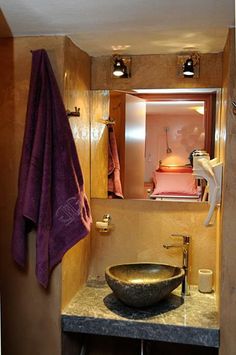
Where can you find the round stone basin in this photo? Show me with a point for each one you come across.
(143, 284)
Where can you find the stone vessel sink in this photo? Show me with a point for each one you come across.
(143, 284)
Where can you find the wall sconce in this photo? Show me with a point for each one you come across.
(188, 69)
(121, 66)
(188, 65)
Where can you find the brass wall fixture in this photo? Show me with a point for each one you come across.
(121, 66)
(104, 226)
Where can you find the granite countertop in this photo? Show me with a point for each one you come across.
(189, 320)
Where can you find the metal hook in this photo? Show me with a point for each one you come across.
(76, 113)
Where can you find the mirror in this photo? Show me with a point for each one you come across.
(155, 134)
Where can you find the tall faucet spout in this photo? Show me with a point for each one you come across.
(185, 248)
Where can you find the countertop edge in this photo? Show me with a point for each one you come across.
(141, 330)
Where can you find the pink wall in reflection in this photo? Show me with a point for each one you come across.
(185, 133)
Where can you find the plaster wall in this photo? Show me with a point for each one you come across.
(228, 241)
(157, 71)
(5, 31)
(76, 94)
(141, 227)
(148, 71)
(99, 111)
(185, 133)
(29, 313)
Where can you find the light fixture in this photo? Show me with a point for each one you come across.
(199, 109)
(188, 69)
(188, 65)
(121, 66)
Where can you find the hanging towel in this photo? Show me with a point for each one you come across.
(114, 183)
(51, 195)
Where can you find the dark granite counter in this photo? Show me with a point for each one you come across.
(192, 320)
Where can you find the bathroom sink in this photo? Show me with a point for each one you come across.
(143, 284)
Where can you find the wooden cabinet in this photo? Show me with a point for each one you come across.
(162, 348)
(87, 344)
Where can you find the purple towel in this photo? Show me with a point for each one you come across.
(51, 195)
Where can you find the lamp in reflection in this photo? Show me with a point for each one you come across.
(200, 109)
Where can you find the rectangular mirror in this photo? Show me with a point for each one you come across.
(155, 135)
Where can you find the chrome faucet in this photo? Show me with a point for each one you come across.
(185, 248)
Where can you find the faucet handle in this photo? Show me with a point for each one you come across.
(186, 238)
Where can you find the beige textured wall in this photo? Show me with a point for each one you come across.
(76, 93)
(141, 227)
(157, 71)
(148, 71)
(99, 110)
(29, 313)
(5, 31)
(228, 247)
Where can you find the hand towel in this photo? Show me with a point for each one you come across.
(51, 196)
(114, 183)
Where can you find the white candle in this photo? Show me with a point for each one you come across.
(205, 280)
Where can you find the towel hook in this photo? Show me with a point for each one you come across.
(234, 107)
(109, 121)
(75, 113)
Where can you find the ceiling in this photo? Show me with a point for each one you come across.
(101, 27)
(175, 108)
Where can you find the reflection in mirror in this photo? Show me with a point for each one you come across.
(155, 136)
(173, 130)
